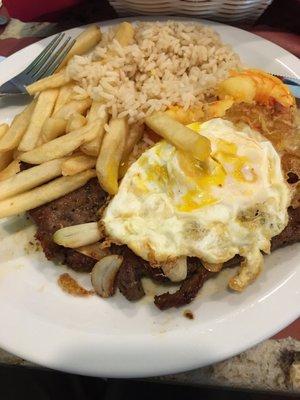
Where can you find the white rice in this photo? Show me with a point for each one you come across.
(171, 63)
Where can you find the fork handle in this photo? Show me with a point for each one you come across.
(11, 95)
(9, 88)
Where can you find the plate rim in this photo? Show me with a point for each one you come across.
(167, 367)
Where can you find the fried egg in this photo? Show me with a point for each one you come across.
(171, 205)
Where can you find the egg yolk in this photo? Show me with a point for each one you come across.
(202, 176)
(211, 173)
(238, 165)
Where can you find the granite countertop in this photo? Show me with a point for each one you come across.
(272, 365)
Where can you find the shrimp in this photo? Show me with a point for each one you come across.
(253, 85)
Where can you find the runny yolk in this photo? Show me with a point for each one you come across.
(212, 173)
(153, 173)
(195, 199)
(157, 173)
(204, 175)
(237, 166)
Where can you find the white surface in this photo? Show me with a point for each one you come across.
(116, 338)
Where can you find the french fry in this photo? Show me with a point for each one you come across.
(41, 112)
(5, 159)
(63, 97)
(50, 82)
(75, 122)
(52, 128)
(76, 164)
(14, 134)
(84, 42)
(96, 113)
(134, 135)
(92, 148)
(111, 154)
(78, 235)
(12, 169)
(3, 129)
(30, 178)
(17, 153)
(125, 34)
(179, 135)
(44, 194)
(73, 106)
(60, 146)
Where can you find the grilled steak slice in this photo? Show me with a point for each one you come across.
(129, 279)
(78, 207)
(156, 274)
(189, 288)
(130, 273)
(77, 261)
(291, 234)
(187, 292)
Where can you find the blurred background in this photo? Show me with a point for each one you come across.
(276, 20)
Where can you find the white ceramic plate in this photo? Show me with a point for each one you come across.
(115, 338)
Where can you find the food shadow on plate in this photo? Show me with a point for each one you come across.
(128, 308)
(224, 293)
(16, 224)
(17, 238)
(272, 261)
(18, 234)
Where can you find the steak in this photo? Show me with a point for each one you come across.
(291, 233)
(130, 274)
(78, 207)
(133, 268)
(188, 290)
(82, 205)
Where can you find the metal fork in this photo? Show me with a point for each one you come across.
(292, 83)
(43, 65)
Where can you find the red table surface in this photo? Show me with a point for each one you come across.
(11, 45)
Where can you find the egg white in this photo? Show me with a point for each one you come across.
(163, 210)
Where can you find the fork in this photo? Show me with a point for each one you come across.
(292, 83)
(43, 65)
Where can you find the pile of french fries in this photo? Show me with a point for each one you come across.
(63, 138)
(69, 141)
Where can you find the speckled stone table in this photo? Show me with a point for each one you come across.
(273, 365)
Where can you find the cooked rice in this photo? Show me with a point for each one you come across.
(144, 144)
(171, 63)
